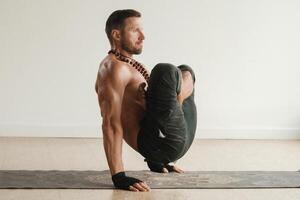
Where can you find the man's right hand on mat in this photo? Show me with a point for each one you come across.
(142, 89)
(141, 95)
(163, 168)
(124, 182)
(173, 168)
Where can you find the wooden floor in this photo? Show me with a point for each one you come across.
(88, 154)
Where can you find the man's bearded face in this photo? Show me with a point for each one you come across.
(132, 36)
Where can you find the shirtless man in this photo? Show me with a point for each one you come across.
(121, 88)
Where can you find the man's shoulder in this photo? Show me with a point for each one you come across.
(113, 68)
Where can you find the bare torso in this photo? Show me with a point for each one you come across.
(133, 105)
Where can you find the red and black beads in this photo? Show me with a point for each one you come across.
(138, 66)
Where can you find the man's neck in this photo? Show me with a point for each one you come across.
(123, 52)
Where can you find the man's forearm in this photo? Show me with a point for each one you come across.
(113, 149)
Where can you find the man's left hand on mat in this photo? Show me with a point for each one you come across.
(172, 168)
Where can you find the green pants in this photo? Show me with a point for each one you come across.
(168, 129)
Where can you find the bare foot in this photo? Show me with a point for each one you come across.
(187, 86)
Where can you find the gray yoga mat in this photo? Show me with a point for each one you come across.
(54, 179)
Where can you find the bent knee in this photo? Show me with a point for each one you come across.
(162, 68)
(167, 73)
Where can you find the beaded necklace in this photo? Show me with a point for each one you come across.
(138, 66)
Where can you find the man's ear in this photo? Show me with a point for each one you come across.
(116, 35)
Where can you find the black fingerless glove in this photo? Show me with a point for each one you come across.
(155, 166)
(170, 168)
(122, 181)
(158, 167)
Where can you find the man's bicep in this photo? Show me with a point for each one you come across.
(110, 98)
(110, 101)
(110, 94)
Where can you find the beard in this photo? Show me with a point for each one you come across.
(130, 48)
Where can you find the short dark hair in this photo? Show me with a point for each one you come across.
(116, 20)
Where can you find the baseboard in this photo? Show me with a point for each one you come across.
(250, 133)
(93, 131)
(50, 130)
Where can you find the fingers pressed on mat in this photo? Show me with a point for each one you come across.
(140, 187)
(133, 188)
(178, 169)
(165, 170)
(145, 186)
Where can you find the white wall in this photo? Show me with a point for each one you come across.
(244, 53)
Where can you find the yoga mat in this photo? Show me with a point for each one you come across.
(56, 179)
